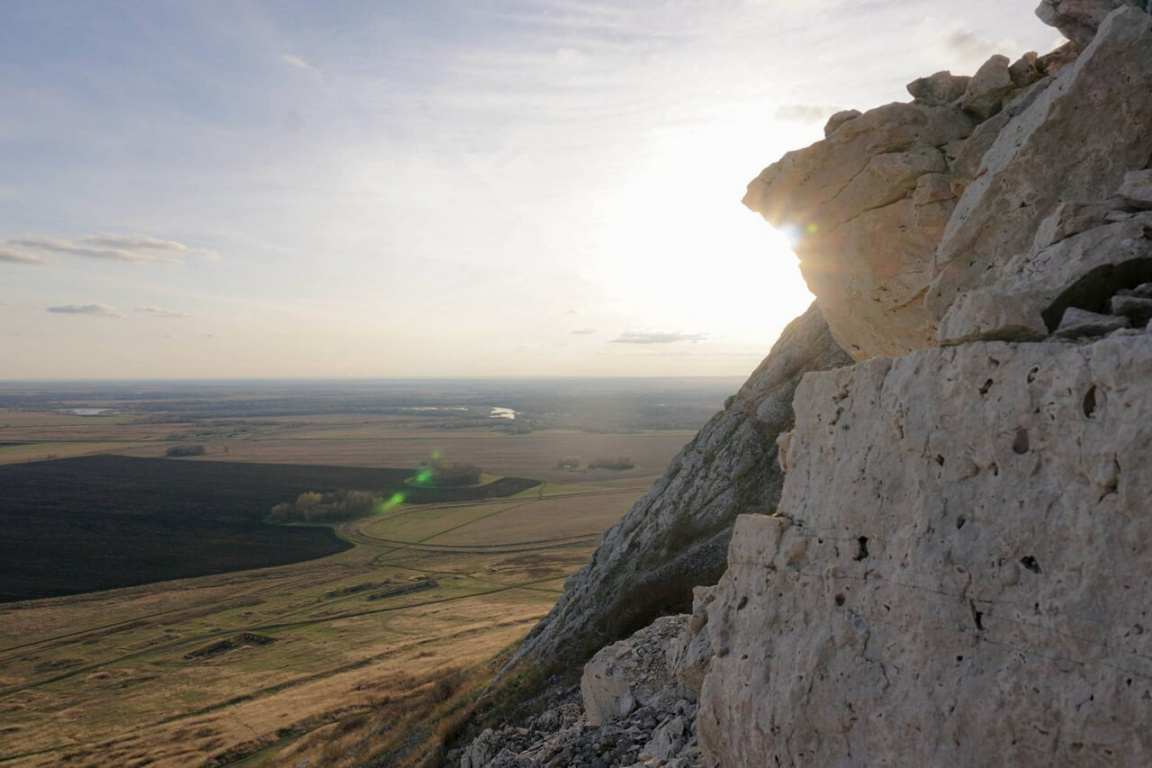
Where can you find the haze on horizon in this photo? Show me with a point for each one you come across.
(443, 188)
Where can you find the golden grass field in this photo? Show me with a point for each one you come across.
(270, 667)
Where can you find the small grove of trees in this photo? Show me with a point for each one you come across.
(442, 474)
(328, 507)
(185, 450)
(616, 462)
(569, 462)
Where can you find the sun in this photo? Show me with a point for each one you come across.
(696, 267)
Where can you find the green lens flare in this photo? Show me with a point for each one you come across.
(394, 501)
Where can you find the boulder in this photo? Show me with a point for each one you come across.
(633, 672)
(868, 226)
(938, 90)
(1133, 308)
(1078, 20)
(1083, 270)
(839, 119)
(1136, 190)
(991, 315)
(987, 89)
(958, 573)
(1026, 70)
(1079, 324)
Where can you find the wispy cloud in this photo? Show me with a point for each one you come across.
(806, 113)
(14, 256)
(632, 337)
(133, 242)
(160, 312)
(298, 62)
(964, 48)
(107, 246)
(584, 331)
(93, 310)
(74, 248)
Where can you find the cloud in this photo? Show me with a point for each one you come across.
(160, 312)
(969, 45)
(806, 113)
(584, 331)
(108, 246)
(631, 337)
(963, 50)
(13, 256)
(133, 242)
(95, 310)
(296, 61)
(73, 248)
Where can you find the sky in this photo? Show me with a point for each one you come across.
(376, 188)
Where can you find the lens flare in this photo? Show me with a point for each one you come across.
(387, 505)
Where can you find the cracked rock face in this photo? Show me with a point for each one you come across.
(676, 537)
(1075, 143)
(960, 573)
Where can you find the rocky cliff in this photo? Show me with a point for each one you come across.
(676, 537)
(958, 569)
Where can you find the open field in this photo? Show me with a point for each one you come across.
(207, 671)
(532, 455)
(102, 522)
(328, 659)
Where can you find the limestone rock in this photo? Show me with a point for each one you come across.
(1143, 291)
(987, 89)
(839, 119)
(1083, 270)
(1078, 324)
(691, 654)
(675, 538)
(976, 556)
(1051, 63)
(1134, 308)
(1075, 142)
(1026, 70)
(1078, 20)
(1137, 189)
(633, 671)
(965, 166)
(990, 315)
(1069, 219)
(866, 244)
(938, 90)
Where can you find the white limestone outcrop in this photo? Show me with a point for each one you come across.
(960, 572)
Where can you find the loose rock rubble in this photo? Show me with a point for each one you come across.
(635, 713)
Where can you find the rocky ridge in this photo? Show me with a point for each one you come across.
(676, 537)
(957, 568)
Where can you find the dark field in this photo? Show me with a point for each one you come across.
(103, 522)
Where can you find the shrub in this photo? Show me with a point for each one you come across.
(617, 462)
(328, 507)
(441, 474)
(185, 450)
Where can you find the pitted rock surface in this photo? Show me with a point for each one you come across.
(960, 573)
